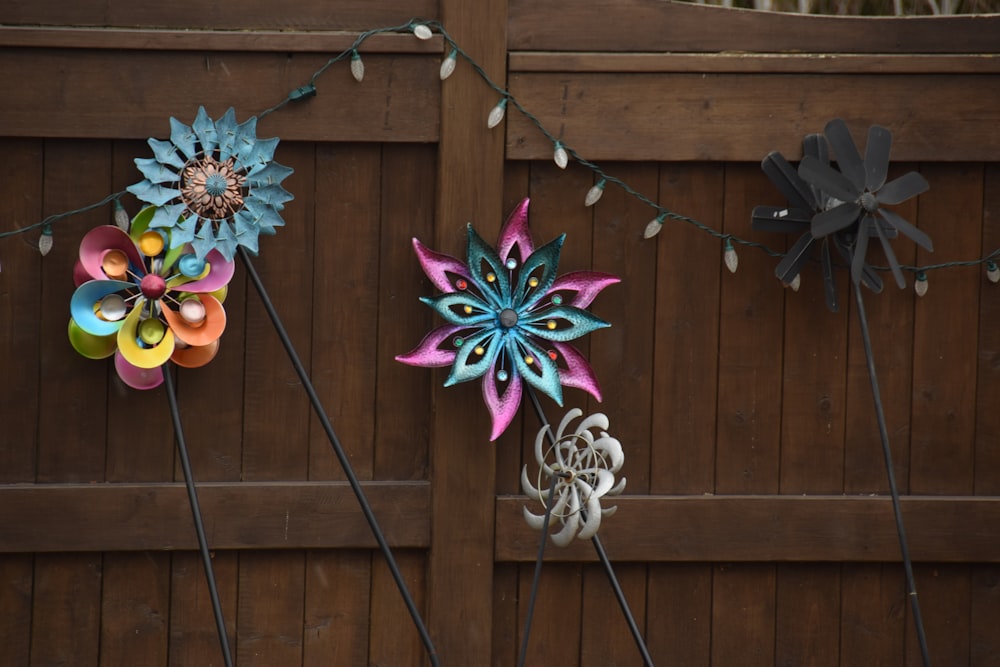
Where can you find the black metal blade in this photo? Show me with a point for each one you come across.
(829, 283)
(899, 190)
(781, 219)
(907, 229)
(860, 250)
(888, 230)
(877, 156)
(846, 153)
(869, 278)
(890, 255)
(788, 182)
(834, 220)
(816, 146)
(792, 262)
(827, 179)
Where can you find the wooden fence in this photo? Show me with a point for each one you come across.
(755, 529)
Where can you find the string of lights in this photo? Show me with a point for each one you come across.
(561, 155)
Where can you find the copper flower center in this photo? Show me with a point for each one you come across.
(212, 189)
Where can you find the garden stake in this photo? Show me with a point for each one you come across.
(911, 587)
(342, 457)
(598, 547)
(199, 526)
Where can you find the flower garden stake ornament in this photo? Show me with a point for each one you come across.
(146, 302)
(509, 318)
(585, 466)
(214, 184)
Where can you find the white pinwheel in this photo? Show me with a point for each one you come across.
(585, 468)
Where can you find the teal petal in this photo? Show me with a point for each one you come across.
(204, 129)
(450, 306)
(204, 239)
(184, 138)
(183, 231)
(572, 323)
(167, 215)
(258, 155)
(542, 373)
(271, 195)
(480, 254)
(542, 264)
(154, 194)
(270, 174)
(468, 365)
(165, 152)
(155, 171)
(260, 216)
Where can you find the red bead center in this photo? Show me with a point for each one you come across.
(153, 286)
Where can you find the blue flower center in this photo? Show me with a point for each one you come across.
(216, 185)
(508, 318)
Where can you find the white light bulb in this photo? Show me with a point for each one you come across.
(920, 284)
(993, 272)
(560, 156)
(654, 226)
(448, 65)
(497, 114)
(730, 257)
(421, 31)
(45, 241)
(594, 193)
(120, 216)
(357, 67)
(796, 283)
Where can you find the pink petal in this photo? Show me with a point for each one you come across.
(437, 266)
(429, 353)
(98, 241)
(515, 231)
(586, 284)
(502, 408)
(578, 372)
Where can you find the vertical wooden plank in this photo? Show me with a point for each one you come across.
(946, 335)
(743, 604)
(344, 327)
(605, 638)
(984, 646)
(20, 314)
(72, 447)
(65, 623)
(469, 188)
(555, 631)
(807, 630)
(135, 609)
(15, 607)
(506, 632)
(270, 622)
(685, 376)
(987, 453)
(337, 608)
(407, 211)
(193, 636)
(750, 347)
(873, 608)
(679, 614)
(944, 604)
(393, 639)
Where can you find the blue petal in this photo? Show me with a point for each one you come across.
(543, 264)
(580, 323)
(155, 171)
(260, 215)
(445, 304)
(167, 215)
(479, 253)
(204, 240)
(271, 195)
(542, 373)
(183, 231)
(271, 173)
(461, 369)
(154, 194)
(226, 241)
(183, 137)
(165, 152)
(204, 128)
(258, 155)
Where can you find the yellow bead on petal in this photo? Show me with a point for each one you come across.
(532, 281)
(479, 350)
(529, 360)
(467, 309)
(491, 277)
(551, 324)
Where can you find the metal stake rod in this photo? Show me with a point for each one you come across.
(538, 570)
(345, 463)
(904, 548)
(601, 554)
(199, 526)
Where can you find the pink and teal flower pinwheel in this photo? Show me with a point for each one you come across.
(145, 302)
(215, 184)
(509, 318)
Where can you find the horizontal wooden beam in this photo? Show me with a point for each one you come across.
(769, 528)
(99, 93)
(740, 62)
(330, 42)
(272, 515)
(742, 117)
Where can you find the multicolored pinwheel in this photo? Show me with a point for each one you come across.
(215, 185)
(509, 318)
(147, 302)
(585, 466)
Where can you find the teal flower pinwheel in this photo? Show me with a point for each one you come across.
(214, 183)
(509, 318)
